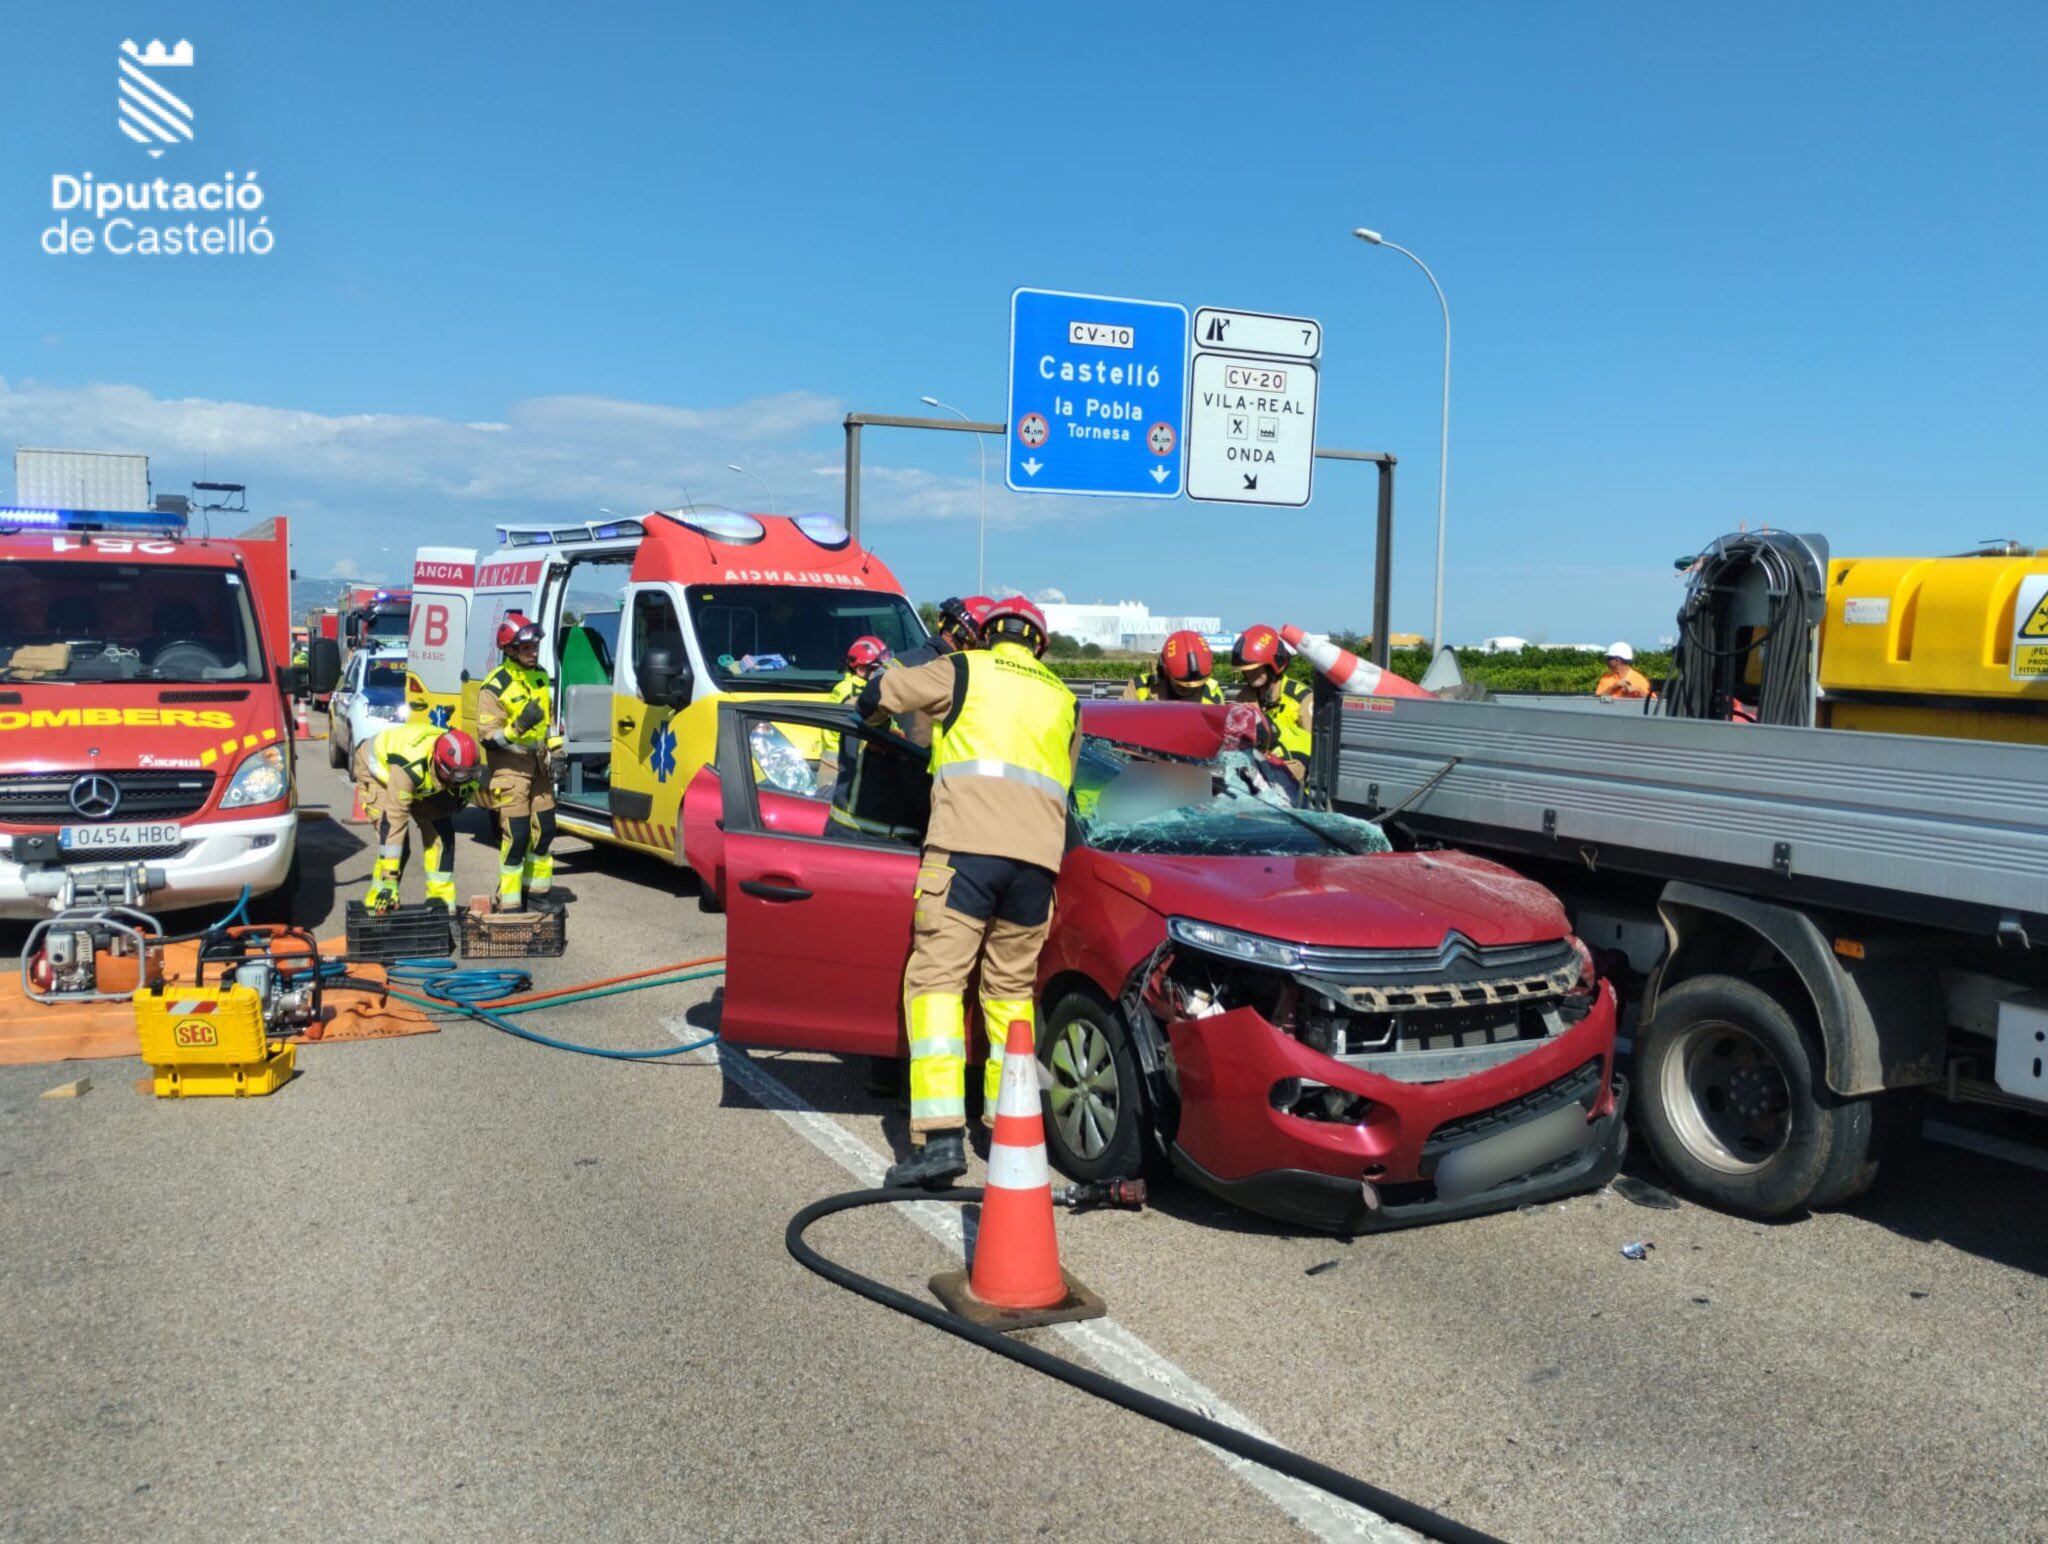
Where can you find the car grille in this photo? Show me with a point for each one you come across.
(139, 853)
(1458, 974)
(44, 798)
(1581, 1084)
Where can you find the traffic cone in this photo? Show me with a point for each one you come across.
(302, 723)
(359, 812)
(1016, 1281)
(1352, 676)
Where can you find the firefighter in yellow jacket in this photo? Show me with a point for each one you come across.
(1181, 675)
(416, 774)
(1261, 657)
(1005, 737)
(515, 720)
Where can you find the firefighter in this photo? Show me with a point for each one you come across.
(1261, 658)
(1181, 674)
(961, 622)
(514, 718)
(1005, 737)
(418, 774)
(864, 656)
(1622, 680)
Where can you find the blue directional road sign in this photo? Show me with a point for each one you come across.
(1098, 395)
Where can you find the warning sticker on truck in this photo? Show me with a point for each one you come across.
(1867, 610)
(2030, 630)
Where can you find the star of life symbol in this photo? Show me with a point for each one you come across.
(151, 113)
(664, 758)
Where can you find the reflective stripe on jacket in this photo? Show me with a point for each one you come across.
(1011, 718)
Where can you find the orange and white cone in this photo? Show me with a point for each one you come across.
(1352, 676)
(359, 812)
(1017, 1254)
(302, 726)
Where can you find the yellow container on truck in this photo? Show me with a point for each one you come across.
(1954, 646)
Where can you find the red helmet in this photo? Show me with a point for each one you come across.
(457, 757)
(1016, 620)
(964, 618)
(517, 628)
(1260, 645)
(866, 652)
(1185, 658)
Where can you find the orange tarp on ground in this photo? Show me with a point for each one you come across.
(32, 1033)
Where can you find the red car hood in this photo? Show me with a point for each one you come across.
(1386, 901)
(120, 726)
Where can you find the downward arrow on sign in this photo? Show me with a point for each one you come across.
(1032, 467)
(1159, 474)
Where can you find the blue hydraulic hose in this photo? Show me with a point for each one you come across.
(234, 911)
(447, 986)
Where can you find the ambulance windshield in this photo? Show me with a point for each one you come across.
(776, 637)
(115, 622)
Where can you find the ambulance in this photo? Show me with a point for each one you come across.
(145, 729)
(711, 604)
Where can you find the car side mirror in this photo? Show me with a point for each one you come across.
(323, 665)
(663, 682)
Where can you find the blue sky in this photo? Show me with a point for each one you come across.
(1707, 265)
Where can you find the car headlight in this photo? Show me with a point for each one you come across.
(393, 711)
(1235, 945)
(262, 778)
(782, 764)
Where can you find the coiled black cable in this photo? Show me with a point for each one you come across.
(1279, 1459)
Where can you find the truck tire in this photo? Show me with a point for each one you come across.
(1095, 1107)
(279, 905)
(1731, 1098)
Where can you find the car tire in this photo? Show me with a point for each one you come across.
(336, 757)
(1731, 1097)
(1096, 1112)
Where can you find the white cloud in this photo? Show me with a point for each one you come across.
(344, 568)
(1049, 596)
(355, 482)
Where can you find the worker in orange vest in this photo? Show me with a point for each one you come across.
(1622, 680)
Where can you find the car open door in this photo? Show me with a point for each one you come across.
(817, 914)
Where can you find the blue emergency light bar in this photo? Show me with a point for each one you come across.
(13, 518)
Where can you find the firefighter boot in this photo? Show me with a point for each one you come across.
(934, 1166)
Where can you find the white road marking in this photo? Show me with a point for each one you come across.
(1104, 1342)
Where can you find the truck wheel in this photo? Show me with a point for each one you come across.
(1732, 1100)
(1094, 1103)
(278, 905)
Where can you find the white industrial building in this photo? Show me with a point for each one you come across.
(1124, 624)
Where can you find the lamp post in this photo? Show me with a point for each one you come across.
(734, 466)
(1443, 465)
(981, 458)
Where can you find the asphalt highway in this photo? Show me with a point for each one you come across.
(462, 1286)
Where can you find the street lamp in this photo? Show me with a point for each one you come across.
(1443, 465)
(981, 458)
(734, 466)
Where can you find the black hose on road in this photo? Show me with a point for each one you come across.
(1280, 1460)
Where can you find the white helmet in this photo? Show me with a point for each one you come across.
(1621, 650)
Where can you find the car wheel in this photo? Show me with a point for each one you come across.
(1732, 1101)
(336, 756)
(1095, 1110)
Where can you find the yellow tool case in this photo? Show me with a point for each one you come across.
(209, 1040)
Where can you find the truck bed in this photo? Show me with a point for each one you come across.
(1949, 832)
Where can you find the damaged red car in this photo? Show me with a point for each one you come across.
(1275, 1001)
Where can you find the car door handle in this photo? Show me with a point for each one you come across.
(768, 890)
(624, 723)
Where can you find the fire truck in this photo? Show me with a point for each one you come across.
(146, 752)
(713, 603)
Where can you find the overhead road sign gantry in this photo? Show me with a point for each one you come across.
(1098, 394)
(1252, 407)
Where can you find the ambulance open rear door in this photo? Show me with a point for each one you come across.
(443, 589)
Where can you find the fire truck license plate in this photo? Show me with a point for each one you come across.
(153, 833)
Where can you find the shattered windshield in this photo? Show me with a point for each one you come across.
(1128, 798)
(64, 621)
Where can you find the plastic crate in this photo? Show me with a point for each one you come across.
(488, 935)
(401, 933)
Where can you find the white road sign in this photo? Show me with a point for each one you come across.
(1251, 425)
